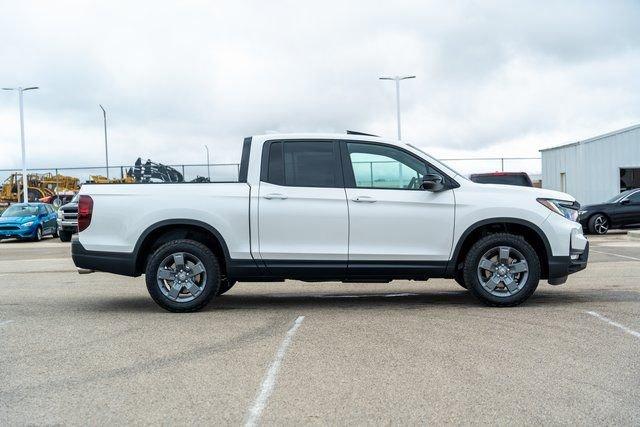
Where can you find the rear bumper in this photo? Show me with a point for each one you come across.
(109, 262)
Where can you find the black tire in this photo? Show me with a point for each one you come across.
(599, 224)
(209, 287)
(459, 278)
(225, 285)
(55, 232)
(65, 236)
(489, 243)
(38, 236)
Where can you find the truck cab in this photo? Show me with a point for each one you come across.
(330, 207)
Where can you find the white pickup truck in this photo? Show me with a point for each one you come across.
(330, 207)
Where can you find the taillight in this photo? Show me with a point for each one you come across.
(85, 210)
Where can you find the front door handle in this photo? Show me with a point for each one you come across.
(275, 196)
(364, 199)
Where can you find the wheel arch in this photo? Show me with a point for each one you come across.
(531, 232)
(171, 229)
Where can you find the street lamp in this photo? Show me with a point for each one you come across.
(25, 183)
(397, 80)
(106, 147)
(208, 171)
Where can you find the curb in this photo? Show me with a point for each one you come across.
(633, 235)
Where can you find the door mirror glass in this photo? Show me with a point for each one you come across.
(432, 182)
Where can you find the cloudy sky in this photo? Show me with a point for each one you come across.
(493, 78)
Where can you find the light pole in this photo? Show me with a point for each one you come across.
(397, 80)
(208, 171)
(106, 146)
(25, 181)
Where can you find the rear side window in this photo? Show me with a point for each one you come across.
(304, 164)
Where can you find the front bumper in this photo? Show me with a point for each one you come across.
(20, 233)
(68, 225)
(561, 266)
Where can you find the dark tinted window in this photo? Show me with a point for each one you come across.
(310, 164)
(520, 180)
(276, 165)
(635, 197)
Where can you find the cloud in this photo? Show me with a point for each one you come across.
(494, 78)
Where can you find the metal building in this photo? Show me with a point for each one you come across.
(596, 169)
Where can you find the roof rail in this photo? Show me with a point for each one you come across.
(353, 132)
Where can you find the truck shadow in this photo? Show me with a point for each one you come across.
(237, 300)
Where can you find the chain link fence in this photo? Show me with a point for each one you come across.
(221, 172)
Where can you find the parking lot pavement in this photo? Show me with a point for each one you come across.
(96, 349)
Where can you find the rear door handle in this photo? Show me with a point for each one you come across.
(275, 196)
(364, 199)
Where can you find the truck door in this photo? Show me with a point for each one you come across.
(395, 226)
(303, 221)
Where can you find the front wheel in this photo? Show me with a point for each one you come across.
(38, 236)
(502, 270)
(598, 224)
(65, 236)
(182, 275)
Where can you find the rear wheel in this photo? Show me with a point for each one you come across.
(182, 275)
(599, 224)
(65, 236)
(502, 270)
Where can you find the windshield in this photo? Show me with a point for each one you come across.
(620, 196)
(20, 211)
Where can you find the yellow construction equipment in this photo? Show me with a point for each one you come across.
(48, 188)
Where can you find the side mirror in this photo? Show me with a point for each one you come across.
(432, 182)
(625, 202)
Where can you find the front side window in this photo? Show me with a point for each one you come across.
(635, 198)
(303, 164)
(380, 166)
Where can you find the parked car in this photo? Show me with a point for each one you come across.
(329, 207)
(621, 211)
(28, 221)
(68, 219)
(506, 178)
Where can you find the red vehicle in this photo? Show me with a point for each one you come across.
(506, 178)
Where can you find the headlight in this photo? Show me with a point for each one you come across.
(27, 224)
(567, 209)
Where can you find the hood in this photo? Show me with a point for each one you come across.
(517, 190)
(17, 219)
(597, 206)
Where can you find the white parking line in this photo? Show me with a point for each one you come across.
(269, 380)
(5, 322)
(616, 324)
(618, 255)
(404, 294)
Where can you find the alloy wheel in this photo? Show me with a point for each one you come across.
(181, 277)
(601, 224)
(503, 271)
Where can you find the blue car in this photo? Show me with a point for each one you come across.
(28, 221)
